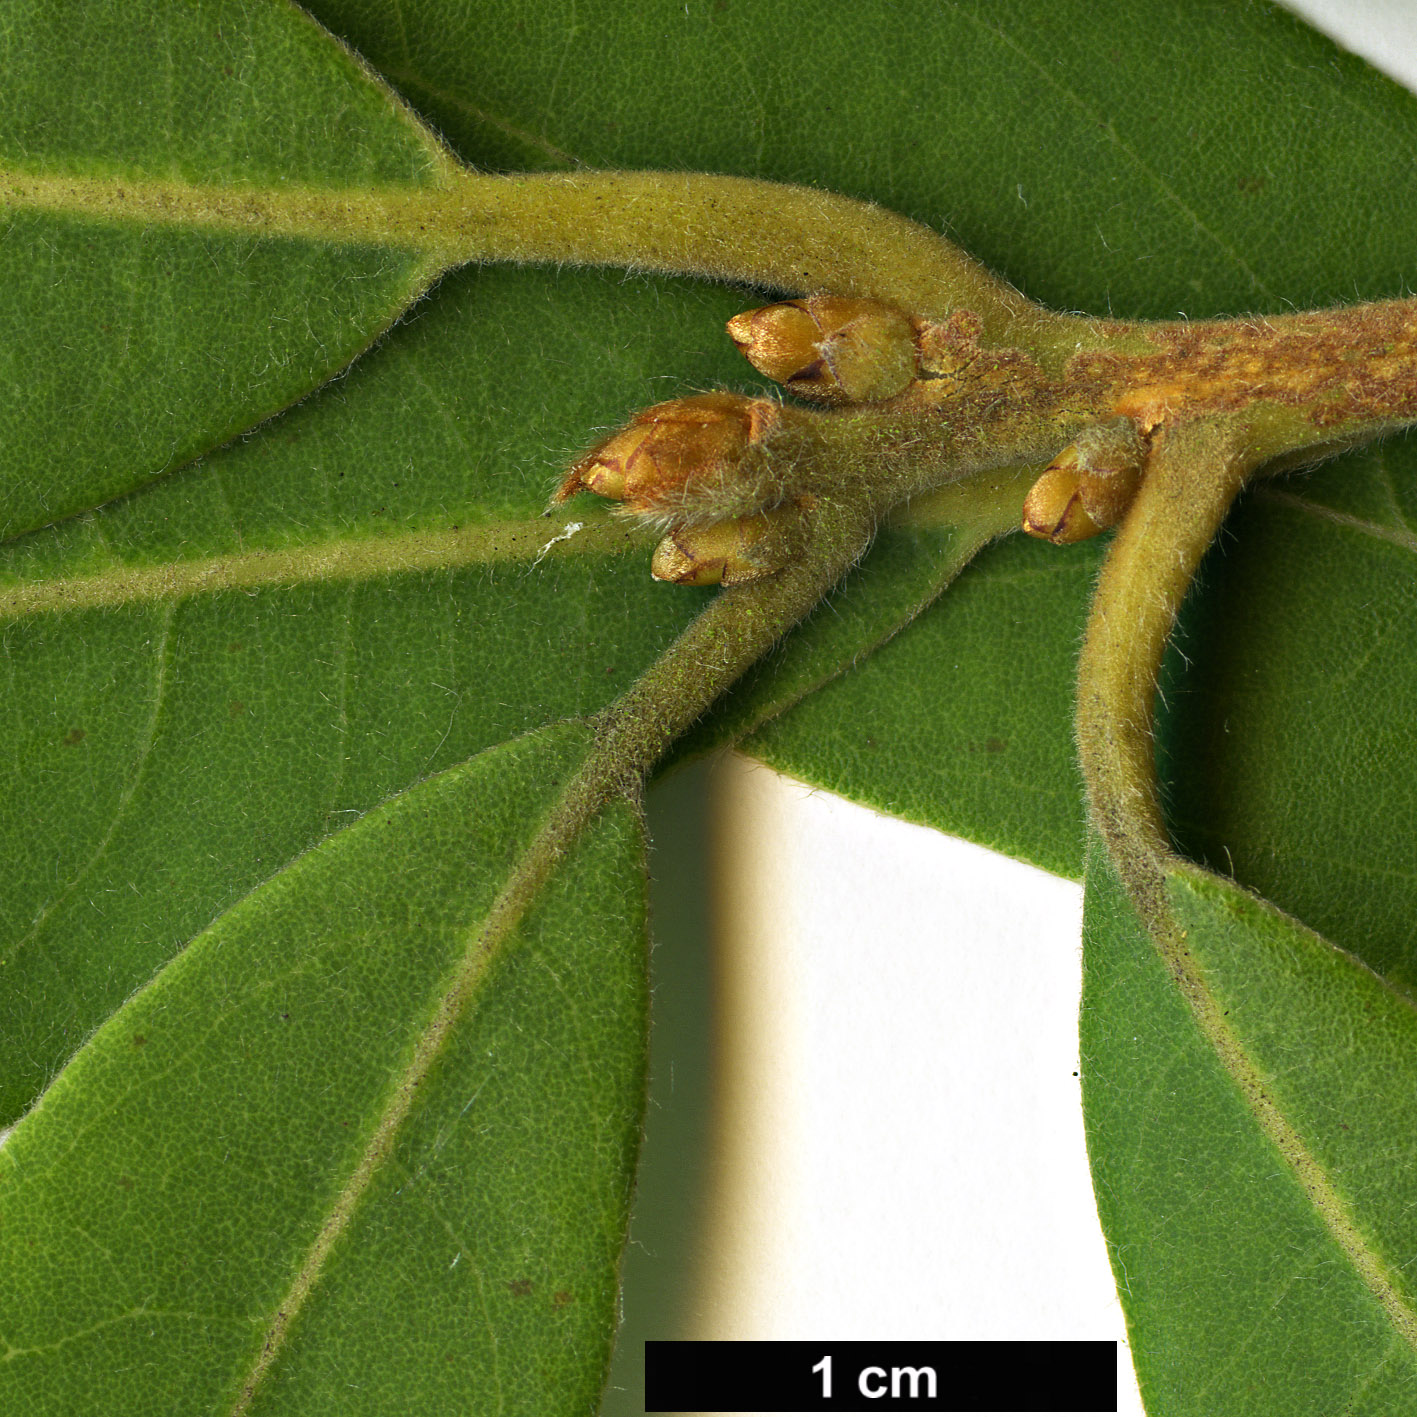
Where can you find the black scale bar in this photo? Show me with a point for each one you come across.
(881, 1377)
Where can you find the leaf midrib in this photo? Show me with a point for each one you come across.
(338, 559)
(1260, 1099)
(1398, 536)
(406, 77)
(532, 868)
(432, 220)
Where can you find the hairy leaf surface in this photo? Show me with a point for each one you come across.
(209, 677)
(1110, 189)
(1258, 1195)
(128, 346)
(358, 1147)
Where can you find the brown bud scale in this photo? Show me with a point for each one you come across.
(830, 348)
(731, 552)
(666, 446)
(1054, 511)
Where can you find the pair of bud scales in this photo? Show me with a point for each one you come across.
(677, 462)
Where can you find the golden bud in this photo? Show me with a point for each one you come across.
(831, 348)
(1053, 509)
(730, 552)
(665, 446)
(1088, 486)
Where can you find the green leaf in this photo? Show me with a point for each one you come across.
(210, 675)
(362, 1092)
(1106, 185)
(913, 560)
(1253, 1157)
(1302, 711)
(129, 348)
(965, 722)
(1050, 141)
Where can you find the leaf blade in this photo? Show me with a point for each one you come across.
(129, 349)
(1276, 1246)
(310, 1148)
(1301, 713)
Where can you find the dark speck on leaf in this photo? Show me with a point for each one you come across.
(520, 1288)
(74, 735)
(139, 1039)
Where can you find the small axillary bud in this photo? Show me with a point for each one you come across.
(830, 348)
(1088, 486)
(731, 552)
(1053, 509)
(667, 445)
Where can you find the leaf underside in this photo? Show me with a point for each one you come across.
(179, 759)
(128, 351)
(1285, 1257)
(266, 1071)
